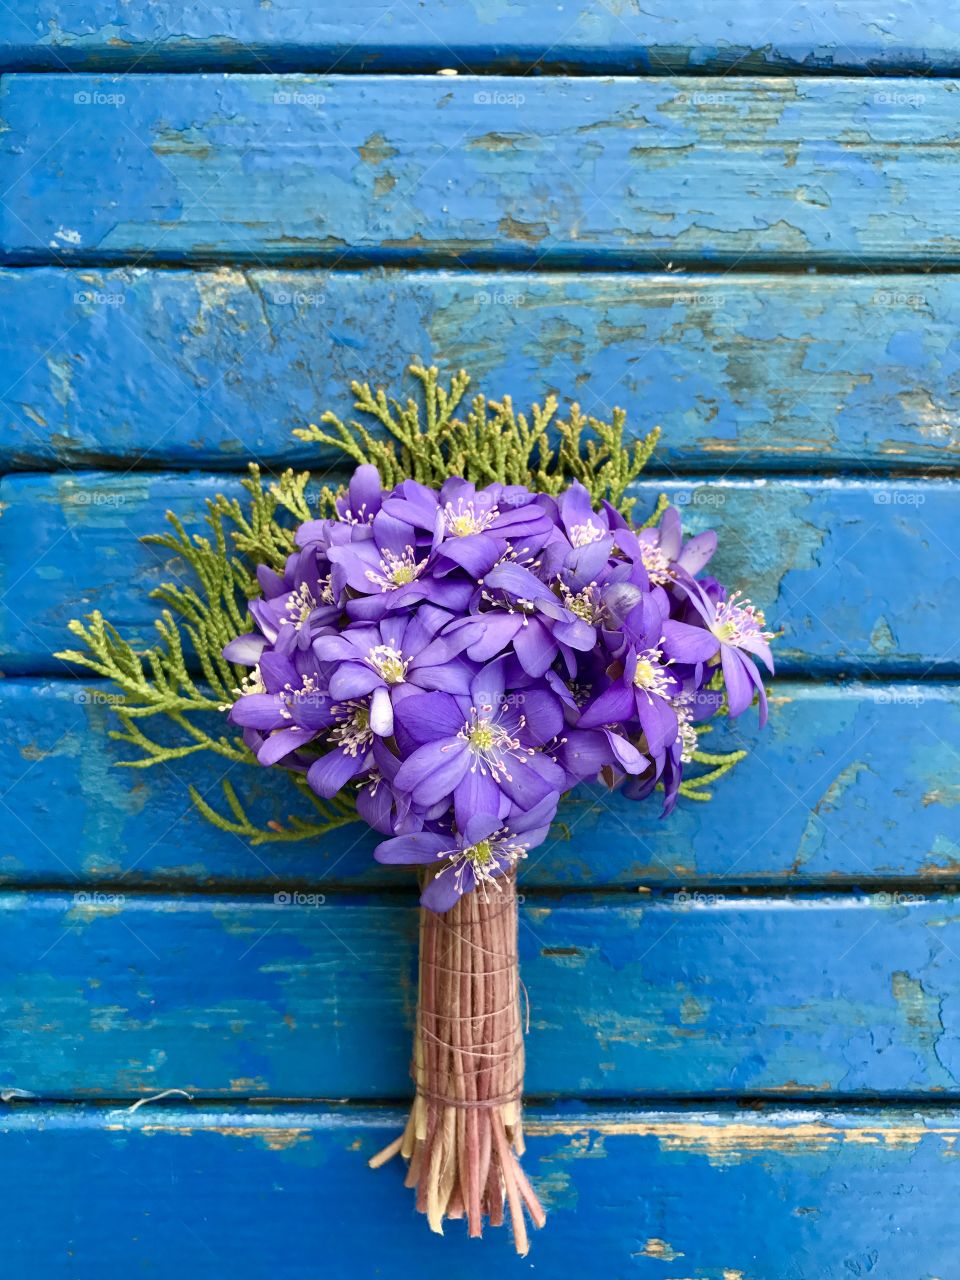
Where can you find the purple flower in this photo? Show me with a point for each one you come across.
(387, 571)
(483, 850)
(735, 629)
(480, 751)
(644, 691)
(286, 702)
(353, 739)
(394, 658)
(586, 753)
(298, 607)
(527, 616)
(663, 549)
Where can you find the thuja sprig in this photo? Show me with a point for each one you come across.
(719, 763)
(201, 616)
(492, 442)
(331, 814)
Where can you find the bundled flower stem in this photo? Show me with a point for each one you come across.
(464, 1133)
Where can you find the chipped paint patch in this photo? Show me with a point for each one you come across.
(732, 1142)
(656, 1248)
(882, 639)
(274, 1139)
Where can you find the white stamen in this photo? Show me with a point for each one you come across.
(486, 858)
(581, 535)
(650, 674)
(300, 604)
(354, 732)
(582, 603)
(656, 563)
(736, 619)
(396, 571)
(685, 729)
(491, 744)
(388, 663)
(463, 518)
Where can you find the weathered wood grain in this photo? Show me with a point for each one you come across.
(848, 784)
(206, 369)
(473, 34)
(718, 996)
(798, 1194)
(575, 171)
(836, 564)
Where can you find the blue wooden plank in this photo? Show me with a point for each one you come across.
(836, 771)
(711, 996)
(800, 1195)
(193, 369)
(465, 34)
(581, 171)
(835, 563)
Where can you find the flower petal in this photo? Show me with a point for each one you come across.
(688, 644)
(381, 713)
(432, 772)
(735, 677)
(422, 847)
(445, 890)
(333, 771)
(476, 795)
(424, 717)
(245, 650)
(611, 707)
(353, 680)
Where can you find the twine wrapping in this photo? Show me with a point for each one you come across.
(464, 1133)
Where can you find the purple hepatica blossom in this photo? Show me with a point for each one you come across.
(352, 755)
(644, 691)
(586, 753)
(480, 750)
(735, 630)
(297, 607)
(582, 525)
(400, 655)
(388, 570)
(527, 616)
(471, 527)
(285, 702)
(663, 549)
(363, 498)
(484, 850)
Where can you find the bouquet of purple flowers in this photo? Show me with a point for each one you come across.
(465, 656)
(468, 631)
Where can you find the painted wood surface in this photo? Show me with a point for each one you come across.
(574, 171)
(856, 783)
(726, 1195)
(281, 995)
(208, 369)
(834, 563)
(473, 34)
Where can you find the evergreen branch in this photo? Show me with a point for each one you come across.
(492, 443)
(334, 814)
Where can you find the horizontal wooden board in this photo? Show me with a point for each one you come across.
(474, 34)
(188, 369)
(123, 996)
(470, 170)
(834, 563)
(801, 1195)
(855, 783)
